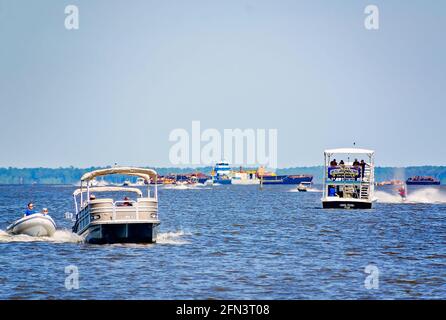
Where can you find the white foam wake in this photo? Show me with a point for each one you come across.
(425, 195)
(174, 237)
(60, 236)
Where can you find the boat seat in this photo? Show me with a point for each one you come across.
(101, 203)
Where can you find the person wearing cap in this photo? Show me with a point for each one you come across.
(29, 210)
(126, 202)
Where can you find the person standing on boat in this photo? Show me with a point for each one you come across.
(356, 165)
(30, 209)
(362, 164)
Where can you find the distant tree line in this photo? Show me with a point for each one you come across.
(71, 175)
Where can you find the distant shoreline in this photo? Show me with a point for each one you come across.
(71, 175)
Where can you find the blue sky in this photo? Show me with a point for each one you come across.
(113, 90)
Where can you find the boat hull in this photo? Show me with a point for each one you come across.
(286, 179)
(36, 225)
(327, 204)
(423, 183)
(121, 233)
(222, 181)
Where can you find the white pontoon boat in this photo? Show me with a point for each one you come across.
(106, 220)
(348, 183)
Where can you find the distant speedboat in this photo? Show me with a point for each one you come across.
(126, 183)
(303, 186)
(35, 225)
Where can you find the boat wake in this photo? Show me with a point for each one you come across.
(174, 237)
(427, 195)
(60, 236)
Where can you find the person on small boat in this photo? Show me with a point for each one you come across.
(333, 163)
(45, 211)
(92, 197)
(30, 210)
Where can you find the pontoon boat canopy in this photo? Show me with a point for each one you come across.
(108, 189)
(349, 151)
(140, 172)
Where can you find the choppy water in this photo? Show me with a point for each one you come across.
(235, 242)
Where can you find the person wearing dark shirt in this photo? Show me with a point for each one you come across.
(333, 163)
(362, 164)
(30, 209)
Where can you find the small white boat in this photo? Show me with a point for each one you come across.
(35, 225)
(303, 186)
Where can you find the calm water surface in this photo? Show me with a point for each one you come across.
(234, 242)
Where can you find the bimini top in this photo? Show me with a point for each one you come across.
(108, 189)
(349, 151)
(131, 171)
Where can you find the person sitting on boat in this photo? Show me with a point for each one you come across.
(126, 202)
(356, 163)
(362, 164)
(44, 211)
(333, 163)
(332, 191)
(30, 209)
(342, 163)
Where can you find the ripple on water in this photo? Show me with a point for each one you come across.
(245, 244)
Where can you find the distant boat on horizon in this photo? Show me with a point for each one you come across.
(422, 181)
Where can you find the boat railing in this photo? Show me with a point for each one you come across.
(145, 209)
(345, 173)
(353, 180)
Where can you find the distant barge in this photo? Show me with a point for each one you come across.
(422, 181)
(291, 179)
